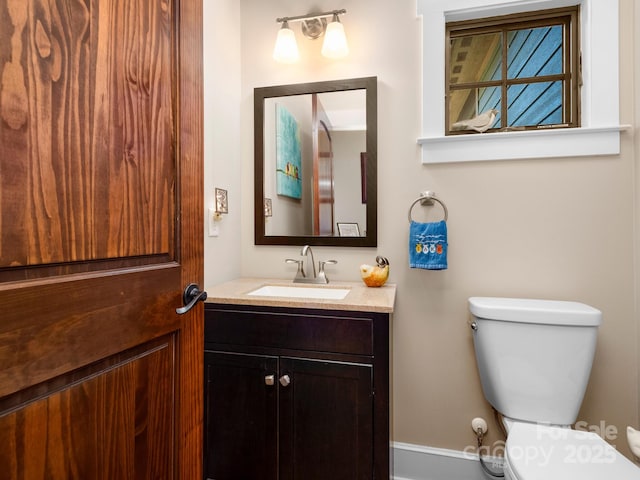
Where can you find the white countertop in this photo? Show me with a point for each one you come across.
(360, 297)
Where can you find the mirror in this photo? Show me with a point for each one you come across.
(316, 163)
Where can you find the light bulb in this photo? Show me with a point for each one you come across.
(286, 48)
(335, 41)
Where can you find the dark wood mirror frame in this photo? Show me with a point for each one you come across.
(370, 85)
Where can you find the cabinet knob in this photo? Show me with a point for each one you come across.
(269, 380)
(285, 380)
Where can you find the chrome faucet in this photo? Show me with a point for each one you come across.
(319, 276)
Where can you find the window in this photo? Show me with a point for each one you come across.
(598, 130)
(513, 72)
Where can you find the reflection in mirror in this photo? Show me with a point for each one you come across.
(314, 142)
(315, 163)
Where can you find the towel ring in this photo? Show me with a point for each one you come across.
(427, 198)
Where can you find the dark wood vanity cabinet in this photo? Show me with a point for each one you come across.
(296, 394)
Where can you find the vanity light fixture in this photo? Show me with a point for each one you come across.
(314, 25)
(286, 49)
(335, 42)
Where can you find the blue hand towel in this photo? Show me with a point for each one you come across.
(428, 245)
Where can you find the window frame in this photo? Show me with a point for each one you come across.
(567, 17)
(600, 105)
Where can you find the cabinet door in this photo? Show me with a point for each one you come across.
(326, 420)
(241, 417)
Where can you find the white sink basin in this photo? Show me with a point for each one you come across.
(302, 291)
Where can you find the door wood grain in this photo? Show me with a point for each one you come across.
(100, 231)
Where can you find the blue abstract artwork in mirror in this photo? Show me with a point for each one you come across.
(288, 154)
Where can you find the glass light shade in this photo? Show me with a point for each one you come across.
(335, 41)
(286, 48)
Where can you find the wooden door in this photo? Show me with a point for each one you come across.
(100, 231)
(241, 416)
(326, 420)
(323, 184)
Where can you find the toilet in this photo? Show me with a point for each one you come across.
(534, 358)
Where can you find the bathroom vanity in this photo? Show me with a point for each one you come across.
(297, 388)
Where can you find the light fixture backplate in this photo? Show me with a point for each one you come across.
(314, 27)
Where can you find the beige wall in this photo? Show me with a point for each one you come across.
(222, 161)
(557, 229)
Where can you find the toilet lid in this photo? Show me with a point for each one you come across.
(535, 452)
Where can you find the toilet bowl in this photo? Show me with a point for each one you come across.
(534, 359)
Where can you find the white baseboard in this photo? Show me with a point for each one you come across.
(418, 462)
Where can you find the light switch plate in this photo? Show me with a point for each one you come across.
(214, 230)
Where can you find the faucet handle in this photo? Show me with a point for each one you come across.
(300, 272)
(322, 276)
(321, 264)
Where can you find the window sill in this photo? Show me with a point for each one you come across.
(566, 142)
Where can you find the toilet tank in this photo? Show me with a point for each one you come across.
(534, 356)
